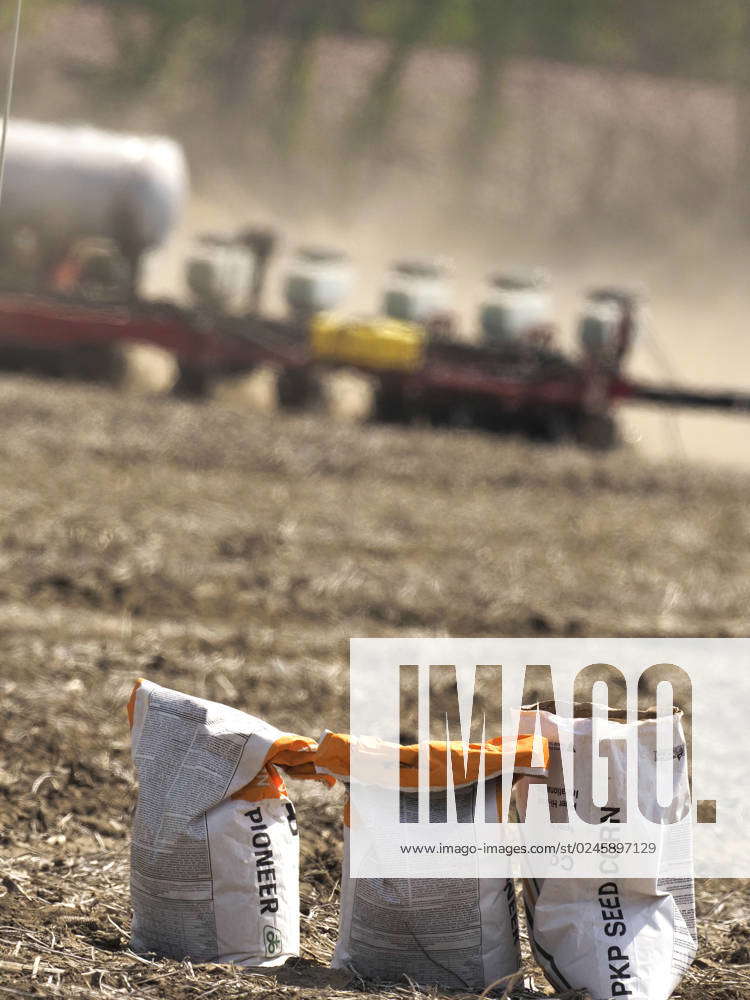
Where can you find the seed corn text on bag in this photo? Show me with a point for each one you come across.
(614, 937)
(215, 847)
(456, 933)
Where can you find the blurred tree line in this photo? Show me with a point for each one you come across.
(668, 37)
(219, 42)
(703, 41)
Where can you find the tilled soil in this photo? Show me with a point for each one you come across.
(232, 555)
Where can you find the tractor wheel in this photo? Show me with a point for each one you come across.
(389, 405)
(597, 431)
(191, 382)
(552, 426)
(297, 389)
(458, 416)
(95, 363)
(440, 416)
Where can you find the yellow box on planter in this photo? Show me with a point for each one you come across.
(381, 343)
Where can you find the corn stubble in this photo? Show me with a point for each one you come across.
(232, 554)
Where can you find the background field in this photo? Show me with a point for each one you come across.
(232, 553)
(601, 144)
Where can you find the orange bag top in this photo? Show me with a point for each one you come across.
(295, 754)
(332, 758)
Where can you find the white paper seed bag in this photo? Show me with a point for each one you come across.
(615, 937)
(215, 850)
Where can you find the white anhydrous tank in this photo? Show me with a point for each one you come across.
(73, 181)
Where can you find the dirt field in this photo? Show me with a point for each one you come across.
(232, 554)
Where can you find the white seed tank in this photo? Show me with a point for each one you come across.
(416, 290)
(68, 182)
(600, 324)
(317, 279)
(219, 274)
(514, 306)
(598, 327)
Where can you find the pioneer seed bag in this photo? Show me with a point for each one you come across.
(215, 848)
(614, 937)
(455, 933)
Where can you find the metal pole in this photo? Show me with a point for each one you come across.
(9, 93)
